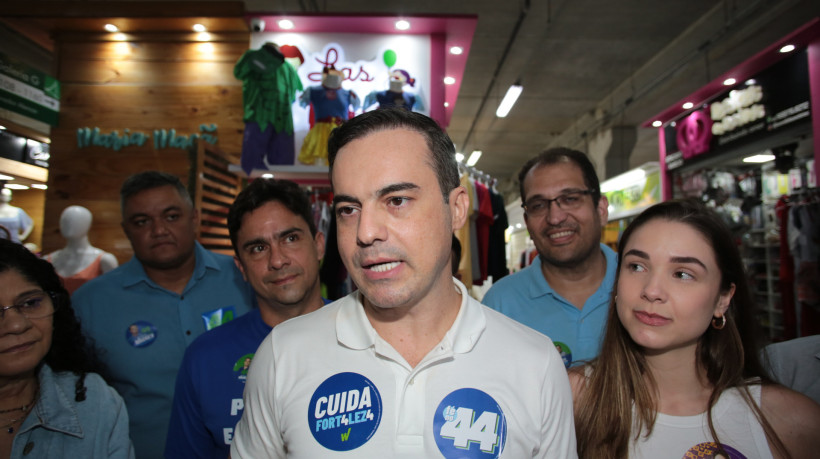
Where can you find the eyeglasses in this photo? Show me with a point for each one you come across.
(36, 305)
(538, 207)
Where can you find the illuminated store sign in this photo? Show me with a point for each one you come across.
(162, 138)
(739, 109)
(28, 92)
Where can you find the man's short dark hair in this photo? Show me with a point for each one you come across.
(262, 191)
(148, 180)
(442, 150)
(563, 155)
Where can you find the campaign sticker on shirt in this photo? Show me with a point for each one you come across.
(344, 412)
(141, 333)
(218, 317)
(564, 351)
(469, 424)
(242, 364)
(709, 450)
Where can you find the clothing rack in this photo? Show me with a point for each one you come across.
(477, 174)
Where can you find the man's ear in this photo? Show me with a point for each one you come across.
(239, 266)
(458, 206)
(319, 241)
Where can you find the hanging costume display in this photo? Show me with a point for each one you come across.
(331, 107)
(269, 87)
(395, 96)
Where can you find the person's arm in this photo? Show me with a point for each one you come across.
(187, 435)
(794, 417)
(258, 434)
(557, 425)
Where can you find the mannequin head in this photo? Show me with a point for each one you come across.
(5, 196)
(399, 78)
(75, 222)
(332, 78)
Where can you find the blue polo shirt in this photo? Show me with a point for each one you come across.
(141, 331)
(527, 297)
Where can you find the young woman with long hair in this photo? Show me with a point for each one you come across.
(679, 373)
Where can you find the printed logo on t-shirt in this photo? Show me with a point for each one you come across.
(242, 364)
(218, 317)
(709, 450)
(564, 351)
(141, 333)
(469, 423)
(344, 412)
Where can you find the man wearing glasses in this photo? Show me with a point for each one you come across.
(565, 292)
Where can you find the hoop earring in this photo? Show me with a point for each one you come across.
(718, 325)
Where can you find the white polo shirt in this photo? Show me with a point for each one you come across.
(327, 385)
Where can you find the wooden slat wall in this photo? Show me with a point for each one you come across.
(161, 81)
(216, 188)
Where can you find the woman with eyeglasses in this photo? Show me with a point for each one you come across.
(678, 375)
(51, 404)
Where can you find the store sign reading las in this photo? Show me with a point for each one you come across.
(163, 138)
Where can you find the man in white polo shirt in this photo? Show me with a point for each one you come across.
(409, 365)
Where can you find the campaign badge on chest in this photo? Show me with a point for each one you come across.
(344, 412)
(469, 424)
(141, 333)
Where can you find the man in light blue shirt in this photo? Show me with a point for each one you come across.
(142, 315)
(564, 294)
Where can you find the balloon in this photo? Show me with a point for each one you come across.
(389, 57)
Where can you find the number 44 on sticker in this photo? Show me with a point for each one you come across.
(462, 429)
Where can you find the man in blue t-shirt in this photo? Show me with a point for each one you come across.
(278, 250)
(565, 292)
(142, 315)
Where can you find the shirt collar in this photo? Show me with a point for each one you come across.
(134, 272)
(54, 409)
(354, 330)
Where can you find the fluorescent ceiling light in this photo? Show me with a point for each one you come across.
(787, 49)
(2, 128)
(764, 158)
(199, 28)
(285, 24)
(623, 181)
(40, 186)
(509, 100)
(267, 175)
(449, 80)
(474, 157)
(459, 157)
(16, 186)
(111, 28)
(657, 123)
(402, 24)
(6, 177)
(688, 105)
(456, 50)
(729, 82)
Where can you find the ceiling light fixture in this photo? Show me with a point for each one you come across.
(401, 24)
(449, 80)
(688, 105)
(509, 100)
(203, 36)
(285, 24)
(459, 157)
(16, 186)
(40, 186)
(456, 50)
(267, 175)
(6, 177)
(474, 157)
(729, 82)
(787, 49)
(119, 36)
(199, 28)
(446, 104)
(657, 123)
(2, 128)
(763, 158)
(111, 28)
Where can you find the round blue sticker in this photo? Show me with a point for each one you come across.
(344, 412)
(141, 333)
(564, 351)
(469, 424)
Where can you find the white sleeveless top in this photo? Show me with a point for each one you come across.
(687, 437)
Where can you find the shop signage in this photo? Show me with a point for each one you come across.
(28, 92)
(631, 200)
(162, 138)
(776, 98)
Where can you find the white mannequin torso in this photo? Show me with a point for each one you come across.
(78, 254)
(16, 219)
